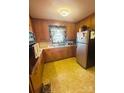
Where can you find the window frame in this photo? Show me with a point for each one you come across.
(65, 34)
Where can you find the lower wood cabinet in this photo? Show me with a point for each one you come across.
(53, 54)
(36, 75)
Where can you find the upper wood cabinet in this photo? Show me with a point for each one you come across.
(93, 21)
(89, 21)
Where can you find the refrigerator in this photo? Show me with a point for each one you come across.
(32, 59)
(85, 51)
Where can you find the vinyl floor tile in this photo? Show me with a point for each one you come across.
(67, 76)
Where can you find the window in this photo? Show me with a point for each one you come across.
(57, 34)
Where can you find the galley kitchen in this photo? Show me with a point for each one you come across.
(61, 46)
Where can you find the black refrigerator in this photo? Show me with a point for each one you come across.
(32, 59)
(85, 51)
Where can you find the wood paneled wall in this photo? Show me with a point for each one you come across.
(41, 29)
(30, 25)
(89, 21)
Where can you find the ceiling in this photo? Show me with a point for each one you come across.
(48, 9)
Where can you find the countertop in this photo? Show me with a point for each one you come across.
(47, 45)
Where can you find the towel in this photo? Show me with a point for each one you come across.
(37, 50)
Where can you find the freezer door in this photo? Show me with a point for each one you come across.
(81, 54)
(83, 37)
(79, 37)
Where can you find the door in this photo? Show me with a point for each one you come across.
(83, 37)
(81, 54)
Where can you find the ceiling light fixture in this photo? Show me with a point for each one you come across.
(64, 12)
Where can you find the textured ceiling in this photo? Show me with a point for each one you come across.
(48, 9)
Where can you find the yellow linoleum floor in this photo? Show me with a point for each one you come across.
(67, 76)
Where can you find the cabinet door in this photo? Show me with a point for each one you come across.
(31, 89)
(36, 76)
(93, 21)
(55, 54)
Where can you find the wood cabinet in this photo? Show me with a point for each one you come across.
(89, 21)
(53, 54)
(93, 21)
(86, 21)
(32, 59)
(36, 75)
